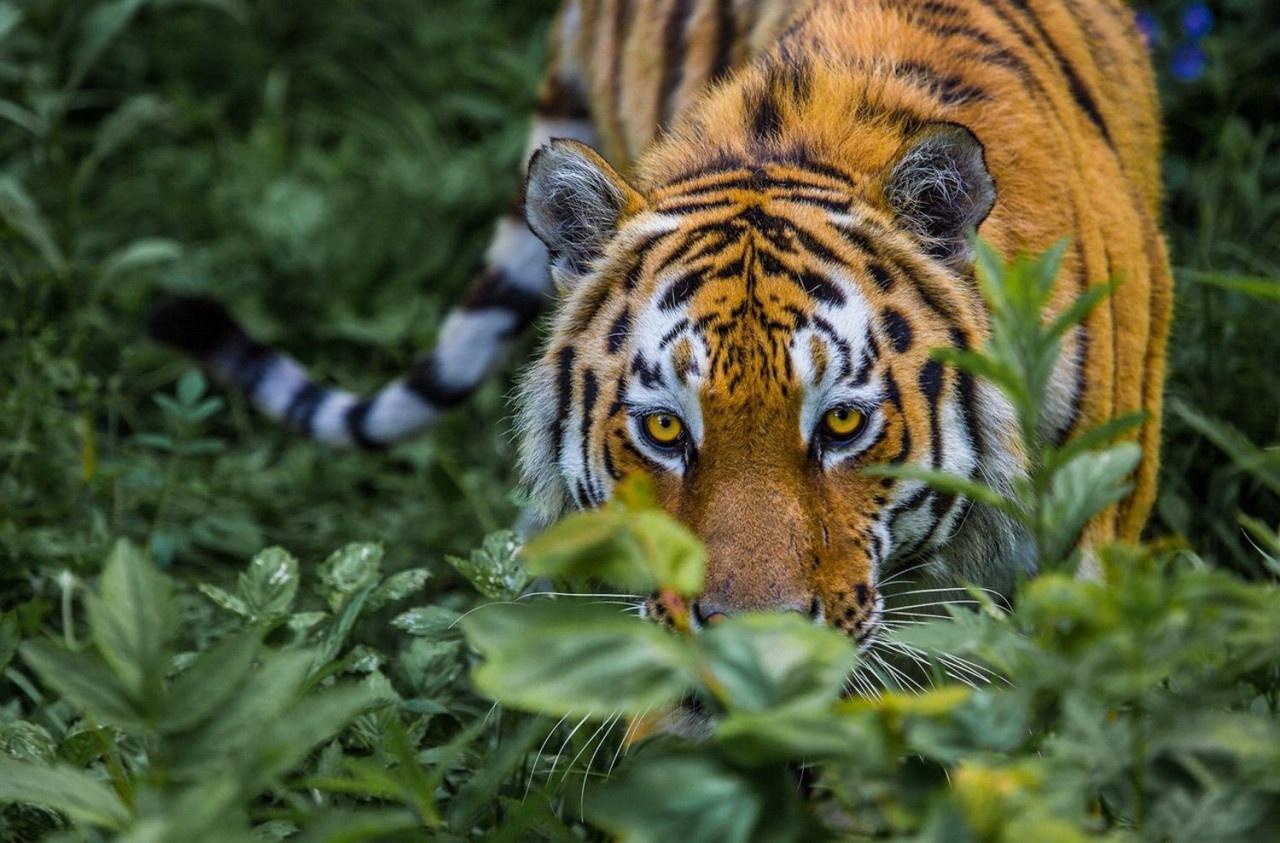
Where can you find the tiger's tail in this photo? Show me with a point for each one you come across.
(505, 299)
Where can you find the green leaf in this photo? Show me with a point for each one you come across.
(141, 253)
(269, 585)
(337, 633)
(133, 619)
(236, 729)
(80, 796)
(19, 211)
(211, 681)
(1093, 438)
(312, 720)
(565, 658)
(100, 27)
(85, 682)
(640, 551)
(1263, 465)
(494, 568)
(9, 638)
(1258, 287)
(398, 586)
(767, 661)
(426, 620)
(695, 799)
(225, 599)
(350, 570)
(136, 115)
(805, 733)
(673, 554)
(1081, 489)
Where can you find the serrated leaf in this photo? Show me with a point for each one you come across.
(426, 620)
(85, 682)
(80, 796)
(578, 660)
(494, 568)
(206, 685)
(1081, 489)
(225, 599)
(269, 585)
(349, 570)
(132, 619)
(398, 586)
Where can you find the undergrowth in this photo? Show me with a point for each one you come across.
(330, 170)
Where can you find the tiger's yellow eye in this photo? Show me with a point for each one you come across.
(842, 422)
(663, 428)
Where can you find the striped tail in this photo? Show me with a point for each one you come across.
(505, 299)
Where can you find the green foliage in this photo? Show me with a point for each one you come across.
(331, 171)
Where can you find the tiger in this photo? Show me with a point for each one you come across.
(751, 221)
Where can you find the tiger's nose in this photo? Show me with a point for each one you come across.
(711, 612)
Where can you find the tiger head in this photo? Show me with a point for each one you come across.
(753, 334)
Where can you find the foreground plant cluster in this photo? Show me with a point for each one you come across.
(164, 678)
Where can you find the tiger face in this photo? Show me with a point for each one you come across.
(753, 336)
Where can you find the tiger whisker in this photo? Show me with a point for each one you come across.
(533, 771)
(582, 795)
(563, 744)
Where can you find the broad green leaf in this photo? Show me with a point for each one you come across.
(590, 546)
(674, 555)
(352, 826)
(270, 583)
(132, 619)
(766, 661)
(354, 568)
(80, 796)
(640, 551)
(27, 741)
(85, 682)
(689, 798)
(1094, 438)
(805, 733)
(205, 686)
(567, 658)
(1081, 489)
(494, 568)
(19, 211)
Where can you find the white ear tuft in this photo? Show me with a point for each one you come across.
(574, 201)
(942, 191)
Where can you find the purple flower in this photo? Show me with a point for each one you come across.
(1197, 21)
(1188, 62)
(1148, 27)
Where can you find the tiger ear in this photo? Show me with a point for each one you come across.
(941, 189)
(573, 202)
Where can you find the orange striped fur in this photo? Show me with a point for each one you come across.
(769, 171)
